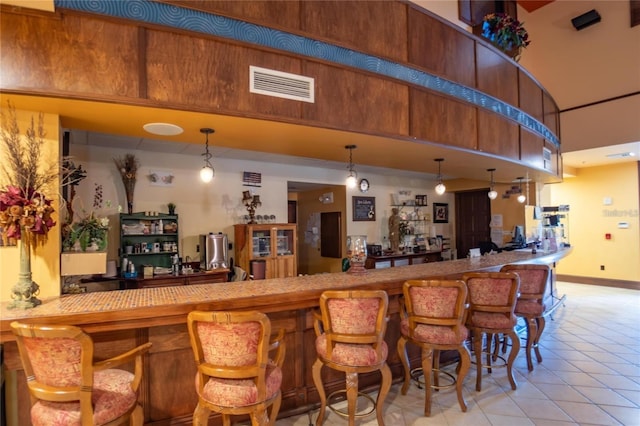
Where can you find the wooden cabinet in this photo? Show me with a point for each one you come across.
(393, 260)
(273, 244)
(209, 277)
(148, 240)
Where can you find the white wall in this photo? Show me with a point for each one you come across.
(215, 207)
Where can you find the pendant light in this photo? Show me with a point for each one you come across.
(521, 198)
(492, 194)
(206, 173)
(440, 188)
(352, 179)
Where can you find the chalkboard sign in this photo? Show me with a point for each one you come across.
(364, 208)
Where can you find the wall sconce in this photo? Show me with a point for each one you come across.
(251, 202)
(492, 194)
(440, 188)
(352, 179)
(521, 198)
(206, 173)
(326, 198)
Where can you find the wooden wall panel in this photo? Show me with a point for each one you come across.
(531, 149)
(530, 96)
(497, 135)
(497, 76)
(441, 49)
(283, 14)
(357, 102)
(551, 114)
(439, 119)
(205, 73)
(376, 27)
(73, 54)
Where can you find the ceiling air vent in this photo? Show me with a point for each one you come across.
(281, 84)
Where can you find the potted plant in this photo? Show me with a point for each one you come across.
(172, 208)
(128, 246)
(506, 33)
(87, 234)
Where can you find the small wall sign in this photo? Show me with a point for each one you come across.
(364, 209)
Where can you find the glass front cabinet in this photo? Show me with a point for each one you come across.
(273, 244)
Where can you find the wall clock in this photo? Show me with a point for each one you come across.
(364, 185)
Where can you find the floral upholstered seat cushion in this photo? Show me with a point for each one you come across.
(351, 354)
(492, 320)
(234, 345)
(530, 307)
(112, 397)
(352, 316)
(240, 393)
(438, 335)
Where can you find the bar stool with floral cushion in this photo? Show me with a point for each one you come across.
(434, 321)
(65, 384)
(235, 374)
(530, 305)
(350, 331)
(492, 302)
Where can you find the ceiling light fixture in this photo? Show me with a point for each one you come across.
(492, 194)
(352, 179)
(206, 173)
(521, 198)
(163, 129)
(440, 188)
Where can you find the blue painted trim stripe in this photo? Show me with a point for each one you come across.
(220, 26)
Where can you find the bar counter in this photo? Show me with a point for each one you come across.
(119, 320)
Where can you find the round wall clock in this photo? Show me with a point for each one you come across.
(364, 185)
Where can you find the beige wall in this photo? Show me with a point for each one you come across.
(590, 220)
(45, 261)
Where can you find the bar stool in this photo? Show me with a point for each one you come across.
(534, 280)
(235, 375)
(350, 331)
(435, 314)
(67, 387)
(492, 302)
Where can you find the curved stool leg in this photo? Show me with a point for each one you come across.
(275, 408)
(201, 415)
(477, 349)
(317, 381)
(515, 348)
(463, 369)
(404, 358)
(532, 332)
(352, 396)
(427, 365)
(541, 323)
(382, 394)
(137, 416)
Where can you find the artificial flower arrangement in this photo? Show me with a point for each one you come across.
(25, 210)
(505, 32)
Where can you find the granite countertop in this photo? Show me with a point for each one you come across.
(139, 299)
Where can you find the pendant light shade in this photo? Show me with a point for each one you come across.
(440, 188)
(492, 194)
(352, 179)
(521, 198)
(207, 172)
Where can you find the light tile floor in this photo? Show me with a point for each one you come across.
(590, 374)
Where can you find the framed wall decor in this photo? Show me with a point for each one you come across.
(440, 213)
(364, 209)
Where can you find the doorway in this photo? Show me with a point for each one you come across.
(473, 217)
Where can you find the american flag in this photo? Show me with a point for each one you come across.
(251, 178)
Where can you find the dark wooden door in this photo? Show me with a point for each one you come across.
(473, 216)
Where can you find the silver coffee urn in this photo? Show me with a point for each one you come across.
(213, 251)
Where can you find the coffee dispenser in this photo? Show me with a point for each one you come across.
(213, 251)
